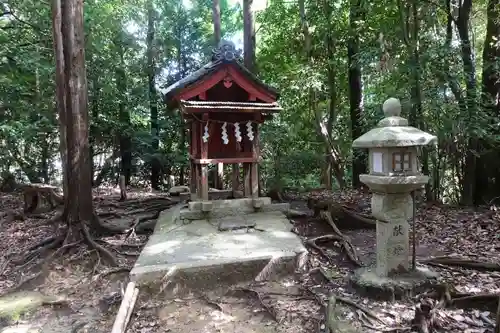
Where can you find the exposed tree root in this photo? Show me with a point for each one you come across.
(270, 311)
(42, 243)
(94, 245)
(447, 296)
(312, 243)
(346, 218)
(34, 255)
(344, 241)
(351, 303)
(463, 263)
(140, 219)
(110, 272)
(71, 237)
(212, 304)
(424, 320)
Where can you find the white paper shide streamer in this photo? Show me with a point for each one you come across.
(206, 135)
(224, 134)
(237, 133)
(250, 131)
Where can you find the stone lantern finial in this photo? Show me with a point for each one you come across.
(392, 107)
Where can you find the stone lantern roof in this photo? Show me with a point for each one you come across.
(393, 131)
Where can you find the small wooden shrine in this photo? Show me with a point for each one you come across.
(223, 104)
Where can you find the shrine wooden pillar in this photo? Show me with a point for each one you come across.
(247, 183)
(219, 177)
(254, 168)
(193, 151)
(235, 179)
(203, 164)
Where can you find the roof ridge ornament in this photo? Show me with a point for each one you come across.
(226, 51)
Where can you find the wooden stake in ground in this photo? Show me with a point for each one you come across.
(126, 308)
(123, 188)
(497, 326)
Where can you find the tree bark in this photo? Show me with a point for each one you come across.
(332, 91)
(153, 106)
(60, 87)
(124, 115)
(488, 174)
(216, 19)
(94, 106)
(355, 89)
(248, 36)
(333, 156)
(78, 201)
(469, 172)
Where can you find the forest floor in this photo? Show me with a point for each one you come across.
(82, 294)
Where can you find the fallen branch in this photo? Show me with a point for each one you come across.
(497, 326)
(126, 308)
(463, 263)
(331, 321)
(346, 243)
(361, 219)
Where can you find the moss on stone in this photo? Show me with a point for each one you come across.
(15, 305)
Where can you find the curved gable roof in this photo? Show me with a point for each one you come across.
(224, 54)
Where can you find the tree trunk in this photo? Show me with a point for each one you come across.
(60, 87)
(78, 201)
(180, 74)
(248, 36)
(123, 114)
(216, 19)
(332, 91)
(94, 105)
(488, 173)
(153, 106)
(469, 172)
(355, 89)
(333, 156)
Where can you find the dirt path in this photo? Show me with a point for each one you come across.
(92, 298)
(279, 309)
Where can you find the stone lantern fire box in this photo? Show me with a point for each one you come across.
(392, 176)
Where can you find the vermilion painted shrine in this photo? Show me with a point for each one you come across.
(223, 104)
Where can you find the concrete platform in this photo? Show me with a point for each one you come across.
(192, 254)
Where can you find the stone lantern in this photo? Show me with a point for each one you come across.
(393, 175)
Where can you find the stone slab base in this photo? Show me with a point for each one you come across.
(197, 210)
(212, 195)
(179, 282)
(398, 287)
(185, 255)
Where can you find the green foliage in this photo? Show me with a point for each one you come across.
(314, 87)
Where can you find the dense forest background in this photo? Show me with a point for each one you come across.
(334, 62)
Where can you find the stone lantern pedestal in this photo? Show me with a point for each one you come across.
(393, 176)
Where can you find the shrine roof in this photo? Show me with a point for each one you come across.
(226, 53)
